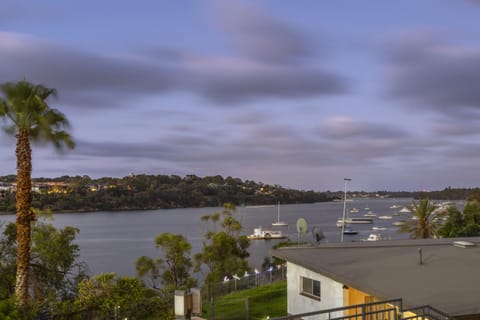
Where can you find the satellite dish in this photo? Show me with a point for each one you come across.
(317, 234)
(301, 226)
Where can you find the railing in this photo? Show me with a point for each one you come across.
(381, 310)
(426, 312)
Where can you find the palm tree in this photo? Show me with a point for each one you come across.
(424, 220)
(29, 118)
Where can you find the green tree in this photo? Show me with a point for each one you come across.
(107, 294)
(176, 263)
(54, 266)
(455, 225)
(466, 224)
(425, 220)
(30, 119)
(224, 252)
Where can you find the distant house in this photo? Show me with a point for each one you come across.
(432, 272)
(6, 187)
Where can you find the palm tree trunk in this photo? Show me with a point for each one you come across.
(24, 215)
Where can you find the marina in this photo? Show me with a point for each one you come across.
(112, 241)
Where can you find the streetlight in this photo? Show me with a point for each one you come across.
(344, 207)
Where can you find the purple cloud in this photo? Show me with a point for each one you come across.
(430, 72)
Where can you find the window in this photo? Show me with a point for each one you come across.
(310, 288)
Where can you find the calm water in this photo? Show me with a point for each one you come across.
(112, 241)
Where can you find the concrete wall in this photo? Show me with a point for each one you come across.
(331, 292)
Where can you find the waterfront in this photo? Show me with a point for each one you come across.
(112, 241)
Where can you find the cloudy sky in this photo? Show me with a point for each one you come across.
(296, 93)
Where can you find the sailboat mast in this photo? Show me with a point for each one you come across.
(278, 211)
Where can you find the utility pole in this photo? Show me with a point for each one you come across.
(344, 208)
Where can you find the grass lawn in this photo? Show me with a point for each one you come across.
(269, 300)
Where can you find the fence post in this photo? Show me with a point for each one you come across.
(246, 308)
(212, 306)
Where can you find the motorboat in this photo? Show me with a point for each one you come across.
(385, 217)
(260, 234)
(398, 223)
(379, 228)
(349, 230)
(374, 237)
(405, 210)
(395, 206)
(369, 214)
(354, 221)
(354, 210)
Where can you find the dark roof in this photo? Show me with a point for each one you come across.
(448, 279)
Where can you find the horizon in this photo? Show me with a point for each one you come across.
(243, 180)
(384, 93)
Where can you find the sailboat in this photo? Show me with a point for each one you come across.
(279, 223)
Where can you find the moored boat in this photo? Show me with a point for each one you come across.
(279, 223)
(260, 234)
(353, 221)
(349, 231)
(385, 217)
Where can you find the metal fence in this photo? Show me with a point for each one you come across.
(249, 280)
(426, 312)
(381, 310)
(212, 291)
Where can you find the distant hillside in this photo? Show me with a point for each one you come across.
(151, 192)
(139, 192)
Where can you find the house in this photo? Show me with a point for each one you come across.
(441, 273)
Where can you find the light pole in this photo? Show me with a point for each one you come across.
(344, 207)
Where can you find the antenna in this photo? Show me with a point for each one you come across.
(301, 228)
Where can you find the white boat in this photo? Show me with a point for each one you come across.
(385, 217)
(404, 210)
(379, 228)
(354, 221)
(398, 223)
(349, 231)
(279, 223)
(395, 206)
(354, 210)
(374, 237)
(369, 214)
(260, 234)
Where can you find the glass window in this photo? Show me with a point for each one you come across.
(310, 287)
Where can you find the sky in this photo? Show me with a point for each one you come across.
(297, 93)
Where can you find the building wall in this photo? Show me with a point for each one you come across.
(331, 292)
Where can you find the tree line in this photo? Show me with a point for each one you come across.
(140, 192)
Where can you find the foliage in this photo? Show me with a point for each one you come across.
(30, 119)
(81, 193)
(176, 263)
(53, 262)
(424, 220)
(268, 300)
(125, 296)
(466, 224)
(55, 270)
(9, 311)
(224, 252)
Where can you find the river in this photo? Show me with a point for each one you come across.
(112, 241)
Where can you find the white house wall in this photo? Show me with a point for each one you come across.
(331, 292)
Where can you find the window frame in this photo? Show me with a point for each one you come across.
(312, 288)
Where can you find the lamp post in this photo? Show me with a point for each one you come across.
(344, 207)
